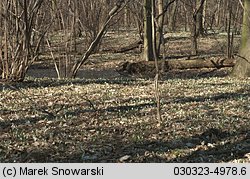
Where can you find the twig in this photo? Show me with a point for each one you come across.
(165, 9)
(90, 103)
(247, 60)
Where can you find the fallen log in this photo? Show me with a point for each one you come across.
(199, 63)
(144, 67)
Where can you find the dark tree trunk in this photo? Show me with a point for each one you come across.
(148, 43)
(199, 18)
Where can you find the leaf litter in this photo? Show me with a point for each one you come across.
(203, 120)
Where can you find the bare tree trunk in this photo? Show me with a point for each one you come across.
(159, 34)
(193, 27)
(126, 18)
(5, 61)
(148, 43)
(200, 17)
(172, 20)
(157, 72)
(229, 35)
(187, 17)
(242, 67)
(218, 17)
(195, 10)
(1, 42)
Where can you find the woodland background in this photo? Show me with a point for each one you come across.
(124, 81)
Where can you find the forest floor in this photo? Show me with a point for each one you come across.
(105, 116)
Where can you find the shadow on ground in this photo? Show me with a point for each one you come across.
(113, 149)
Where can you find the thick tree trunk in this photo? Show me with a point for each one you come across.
(242, 67)
(148, 43)
(192, 18)
(199, 18)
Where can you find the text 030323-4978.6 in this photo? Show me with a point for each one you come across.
(233, 171)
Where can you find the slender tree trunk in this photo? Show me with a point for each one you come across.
(159, 34)
(229, 35)
(218, 17)
(242, 67)
(204, 23)
(157, 72)
(126, 18)
(187, 18)
(5, 58)
(1, 41)
(196, 25)
(172, 20)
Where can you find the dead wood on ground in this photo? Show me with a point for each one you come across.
(144, 67)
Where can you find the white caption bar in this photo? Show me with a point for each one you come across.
(123, 171)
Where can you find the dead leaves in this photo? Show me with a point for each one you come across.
(113, 121)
